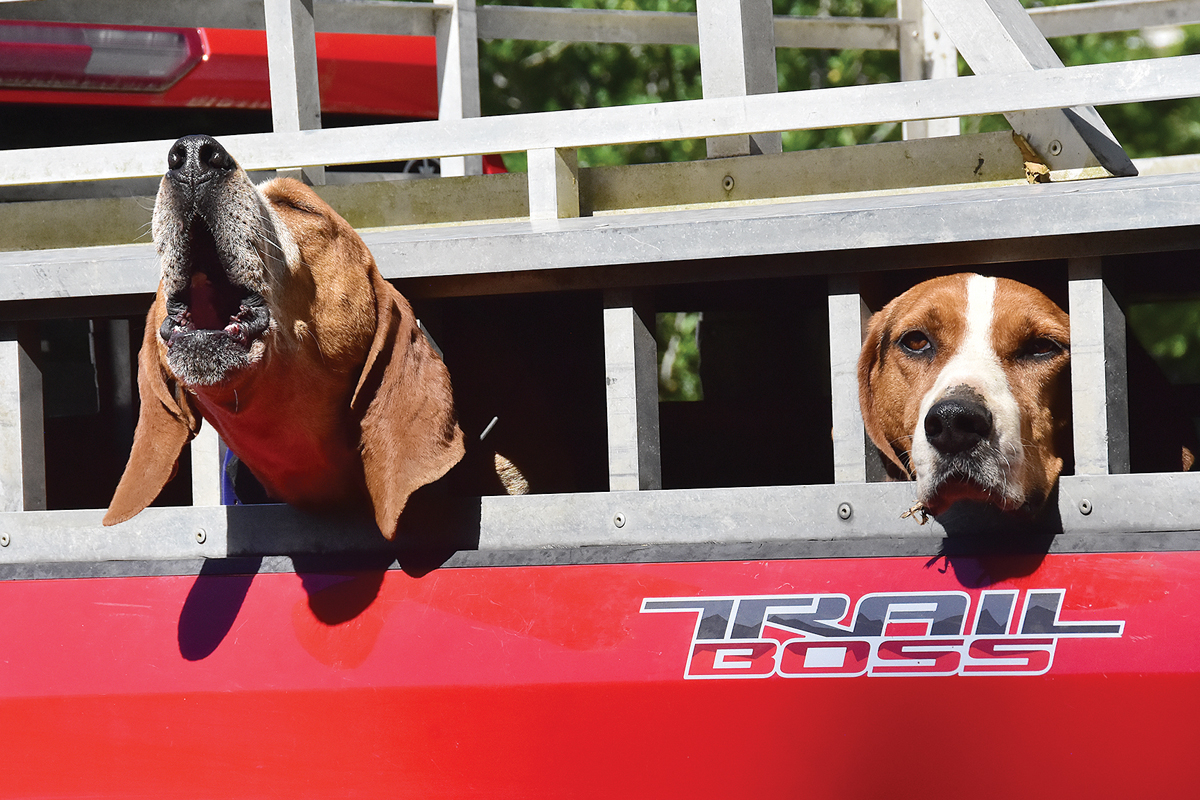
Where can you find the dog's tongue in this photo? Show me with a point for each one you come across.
(203, 305)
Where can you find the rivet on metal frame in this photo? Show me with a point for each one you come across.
(619, 520)
(201, 535)
(1055, 147)
(845, 511)
(728, 183)
(1085, 507)
(5, 540)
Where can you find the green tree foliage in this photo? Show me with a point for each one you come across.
(1170, 332)
(678, 338)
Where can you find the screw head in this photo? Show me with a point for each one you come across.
(201, 535)
(619, 520)
(845, 511)
(728, 183)
(5, 540)
(1085, 507)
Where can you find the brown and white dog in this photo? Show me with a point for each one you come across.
(272, 322)
(962, 382)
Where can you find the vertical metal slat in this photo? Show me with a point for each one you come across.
(22, 442)
(926, 53)
(854, 459)
(553, 183)
(206, 467)
(458, 74)
(737, 58)
(1099, 388)
(631, 379)
(292, 61)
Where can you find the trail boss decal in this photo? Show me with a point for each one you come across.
(903, 633)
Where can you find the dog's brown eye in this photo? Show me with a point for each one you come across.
(1040, 347)
(916, 342)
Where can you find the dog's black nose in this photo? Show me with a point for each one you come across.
(198, 158)
(957, 424)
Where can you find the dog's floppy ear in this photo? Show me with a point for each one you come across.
(870, 362)
(410, 435)
(167, 421)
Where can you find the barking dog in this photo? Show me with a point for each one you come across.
(272, 322)
(962, 387)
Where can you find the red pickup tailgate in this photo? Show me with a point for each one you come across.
(1061, 676)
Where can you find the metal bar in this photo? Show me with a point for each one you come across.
(207, 453)
(557, 24)
(361, 16)
(1099, 388)
(1116, 506)
(854, 458)
(458, 76)
(836, 33)
(1106, 16)
(737, 58)
(631, 381)
(1112, 211)
(586, 25)
(884, 166)
(1008, 223)
(616, 26)
(1099, 84)
(132, 269)
(553, 184)
(678, 28)
(1168, 165)
(22, 447)
(979, 158)
(926, 53)
(292, 62)
(997, 36)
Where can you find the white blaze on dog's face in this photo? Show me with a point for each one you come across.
(962, 387)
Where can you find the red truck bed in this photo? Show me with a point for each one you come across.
(1068, 675)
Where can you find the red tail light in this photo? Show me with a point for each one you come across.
(110, 57)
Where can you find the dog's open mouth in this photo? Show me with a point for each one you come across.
(211, 321)
(956, 487)
(953, 490)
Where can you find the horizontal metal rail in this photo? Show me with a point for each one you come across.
(1097, 506)
(654, 27)
(981, 225)
(1110, 16)
(584, 25)
(1097, 85)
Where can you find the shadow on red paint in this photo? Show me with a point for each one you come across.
(213, 604)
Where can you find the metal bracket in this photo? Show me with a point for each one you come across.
(998, 36)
